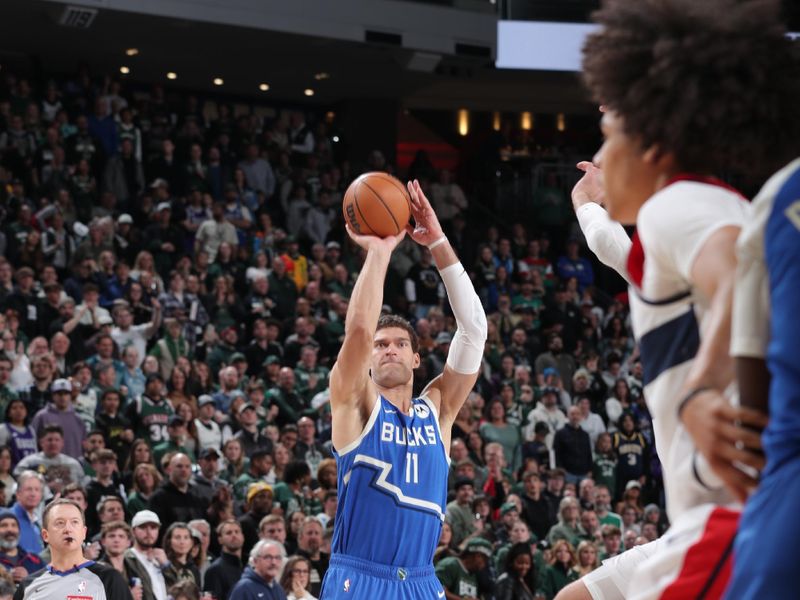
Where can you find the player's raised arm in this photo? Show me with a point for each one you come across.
(606, 238)
(349, 380)
(451, 388)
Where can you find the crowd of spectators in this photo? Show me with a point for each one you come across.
(173, 288)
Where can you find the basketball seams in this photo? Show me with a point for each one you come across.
(358, 208)
(388, 210)
(396, 183)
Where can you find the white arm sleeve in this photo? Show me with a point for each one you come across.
(466, 349)
(606, 238)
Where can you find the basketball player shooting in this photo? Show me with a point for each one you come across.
(391, 449)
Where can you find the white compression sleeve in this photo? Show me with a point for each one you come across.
(466, 349)
(606, 238)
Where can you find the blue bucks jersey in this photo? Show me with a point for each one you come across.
(393, 487)
(781, 252)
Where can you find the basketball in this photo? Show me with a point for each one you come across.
(376, 204)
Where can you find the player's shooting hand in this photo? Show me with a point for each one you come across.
(726, 436)
(375, 243)
(427, 229)
(590, 187)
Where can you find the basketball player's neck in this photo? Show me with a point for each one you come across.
(399, 396)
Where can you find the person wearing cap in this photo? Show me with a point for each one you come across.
(176, 433)
(548, 412)
(205, 481)
(459, 575)
(209, 433)
(13, 557)
(61, 412)
(555, 358)
(149, 413)
(259, 467)
(258, 504)
(146, 560)
(163, 239)
(459, 512)
(215, 231)
(509, 515)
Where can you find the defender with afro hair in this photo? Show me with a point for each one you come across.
(715, 83)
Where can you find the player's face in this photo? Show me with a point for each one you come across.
(65, 529)
(629, 172)
(393, 359)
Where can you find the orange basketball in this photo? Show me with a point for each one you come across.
(376, 204)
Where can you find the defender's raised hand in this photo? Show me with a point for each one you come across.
(427, 229)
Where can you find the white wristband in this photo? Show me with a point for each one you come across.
(438, 242)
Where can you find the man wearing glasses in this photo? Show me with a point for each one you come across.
(260, 579)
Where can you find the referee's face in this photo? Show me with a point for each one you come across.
(65, 530)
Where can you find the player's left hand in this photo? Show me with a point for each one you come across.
(590, 187)
(427, 229)
(726, 436)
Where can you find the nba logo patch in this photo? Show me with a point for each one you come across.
(82, 586)
(402, 574)
(346, 585)
(422, 411)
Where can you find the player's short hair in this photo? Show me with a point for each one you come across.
(60, 502)
(713, 83)
(397, 321)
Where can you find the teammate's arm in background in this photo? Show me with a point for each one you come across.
(751, 312)
(449, 390)
(723, 434)
(351, 387)
(606, 238)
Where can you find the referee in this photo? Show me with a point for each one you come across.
(69, 574)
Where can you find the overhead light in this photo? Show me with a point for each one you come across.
(132, 51)
(561, 122)
(124, 70)
(526, 121)
(321, 75)
(172, 75)
(463, 121)
(218, 81)
(264, 87)
(335, 138)
(330, 116)
(496, 120)
(308, 92)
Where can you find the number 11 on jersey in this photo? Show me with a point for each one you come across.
(412, 468)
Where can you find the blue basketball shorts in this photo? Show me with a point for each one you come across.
(350, 578)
